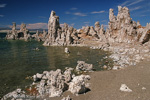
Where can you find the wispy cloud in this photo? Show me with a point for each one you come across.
(124, 3)
(73, 8)
(135, 2)
(97, 12)
(62, 25)
(76, 13)
(10, 26)
(2, 5)
(130, 2)
(1, 15)
(37, 26)
(79, 14)
(136, 8)
(33, 26)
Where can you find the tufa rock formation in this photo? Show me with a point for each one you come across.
(52, 84)
(14, 34)
(40, 36)
(59, 36)
(123, 29)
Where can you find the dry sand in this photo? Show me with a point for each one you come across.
(105, 85)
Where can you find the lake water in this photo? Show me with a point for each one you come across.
(18, 59)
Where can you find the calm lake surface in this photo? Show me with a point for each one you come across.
(18, 59)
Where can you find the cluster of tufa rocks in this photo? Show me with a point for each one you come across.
(23, 33)
(53, 84)
(40, 36)
(123, 29)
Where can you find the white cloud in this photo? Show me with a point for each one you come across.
(2, 5)
(79, 14)
(17, 26)
(37, 26)
(124, 3)
(33, 26)
(135, 2)
(136, 8)
(130, 2)
(1, 15)
(73, 8)
(76, 13)
(97, 12)
(62, 25)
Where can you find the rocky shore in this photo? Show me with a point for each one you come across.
(54, 83)
(126, 39)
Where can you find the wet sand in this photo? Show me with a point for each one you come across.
(105, 85)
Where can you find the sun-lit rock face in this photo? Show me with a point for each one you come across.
(92, 33)
(123, 29)
(14, 34)
(57, 35)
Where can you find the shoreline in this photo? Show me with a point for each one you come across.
(105, 84)
(122, 74)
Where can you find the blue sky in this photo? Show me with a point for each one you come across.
(76, 13)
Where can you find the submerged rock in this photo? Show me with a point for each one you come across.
(67, 50)
(17, 94)
(82, 66)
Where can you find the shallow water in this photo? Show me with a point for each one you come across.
(18, 59)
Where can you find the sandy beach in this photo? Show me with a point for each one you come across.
(105, 85)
